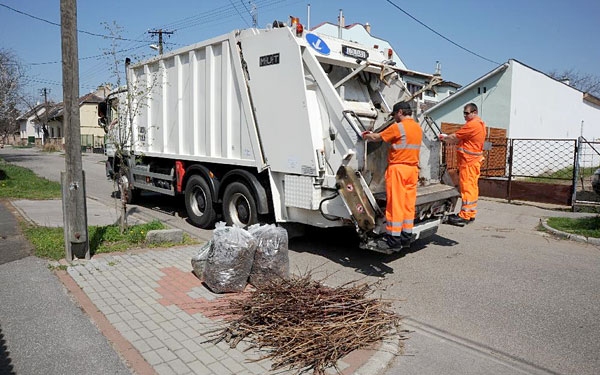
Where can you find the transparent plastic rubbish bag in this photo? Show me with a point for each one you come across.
(271, 259)
(229, 259)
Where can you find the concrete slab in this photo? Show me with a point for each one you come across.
(48, 213)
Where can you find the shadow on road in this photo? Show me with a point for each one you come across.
(340, 245)
(6, 367)
(16, 157)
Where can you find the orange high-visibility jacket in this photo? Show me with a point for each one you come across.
(402, 175)
(471, 138)
(405, 139)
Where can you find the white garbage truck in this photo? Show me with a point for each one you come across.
(264, 125)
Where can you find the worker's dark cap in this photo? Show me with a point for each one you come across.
(401, 105)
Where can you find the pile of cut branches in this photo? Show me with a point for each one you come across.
(302, 324)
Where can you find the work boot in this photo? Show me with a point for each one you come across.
(394, 242)
(457, 220)
(405, 239)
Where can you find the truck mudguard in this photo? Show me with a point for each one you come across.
(213, 183)
(259, 191)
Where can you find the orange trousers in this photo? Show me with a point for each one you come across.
(469, 189)
(401, 190)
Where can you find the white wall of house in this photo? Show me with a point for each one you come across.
(525, 102)
(546, 108)
(27, 128)
(442, 92)
(491, 94)
(30, 126)
(529, 104)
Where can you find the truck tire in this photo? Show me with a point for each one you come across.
(239, 205)
(199, 203)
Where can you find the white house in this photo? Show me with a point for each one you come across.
(525, 102)
(92, 135)
(30, 123)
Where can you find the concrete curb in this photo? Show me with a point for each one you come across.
(382, 359)
(569, 236)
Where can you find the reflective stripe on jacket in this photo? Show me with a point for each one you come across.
(471, 138)
(405, 138)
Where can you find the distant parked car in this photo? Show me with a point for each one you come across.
(596, 181)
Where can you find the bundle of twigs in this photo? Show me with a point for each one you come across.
(304, 325)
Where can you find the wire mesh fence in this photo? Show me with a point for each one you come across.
(524, 158)
(539, 169)
(549, 159)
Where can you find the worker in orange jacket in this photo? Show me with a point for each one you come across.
(401, 175)
(470, 139)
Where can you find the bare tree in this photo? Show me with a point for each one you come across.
(11, 77)
(124, 105)
(585, 82)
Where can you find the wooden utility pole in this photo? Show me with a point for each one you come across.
(160, 33)
(73, 180)
(45, 124)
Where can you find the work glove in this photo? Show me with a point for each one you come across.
(441, 136)
(365, 133)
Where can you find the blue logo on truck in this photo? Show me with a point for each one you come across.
(318, 44)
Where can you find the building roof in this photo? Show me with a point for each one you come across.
(57, 110)
(450, 84)
(90, 98)
(586, 96)
(37, 109)
(466, 88)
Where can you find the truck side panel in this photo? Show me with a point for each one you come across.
(193, 104)
(278, 87)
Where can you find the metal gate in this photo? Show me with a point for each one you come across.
(588, 161)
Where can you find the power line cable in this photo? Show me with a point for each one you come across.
(219, 13)
(440, 35)
(83, 58)
(205, 18)
(238, 12)
(78, 30)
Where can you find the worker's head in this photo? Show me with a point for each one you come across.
(470, 110)
(404, 107)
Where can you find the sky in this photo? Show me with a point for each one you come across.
(468, 37)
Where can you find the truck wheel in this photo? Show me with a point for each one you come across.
(239, 205)
(198, 203)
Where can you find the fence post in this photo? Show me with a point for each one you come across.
(575, 172)
(510, 164)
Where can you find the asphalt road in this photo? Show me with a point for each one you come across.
(495, 297)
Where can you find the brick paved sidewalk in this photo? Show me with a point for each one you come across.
(161, 309)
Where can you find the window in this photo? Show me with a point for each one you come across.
(413, 88)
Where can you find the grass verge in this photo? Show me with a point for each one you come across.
(585, 226)
(49, 242)
(21, 183)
